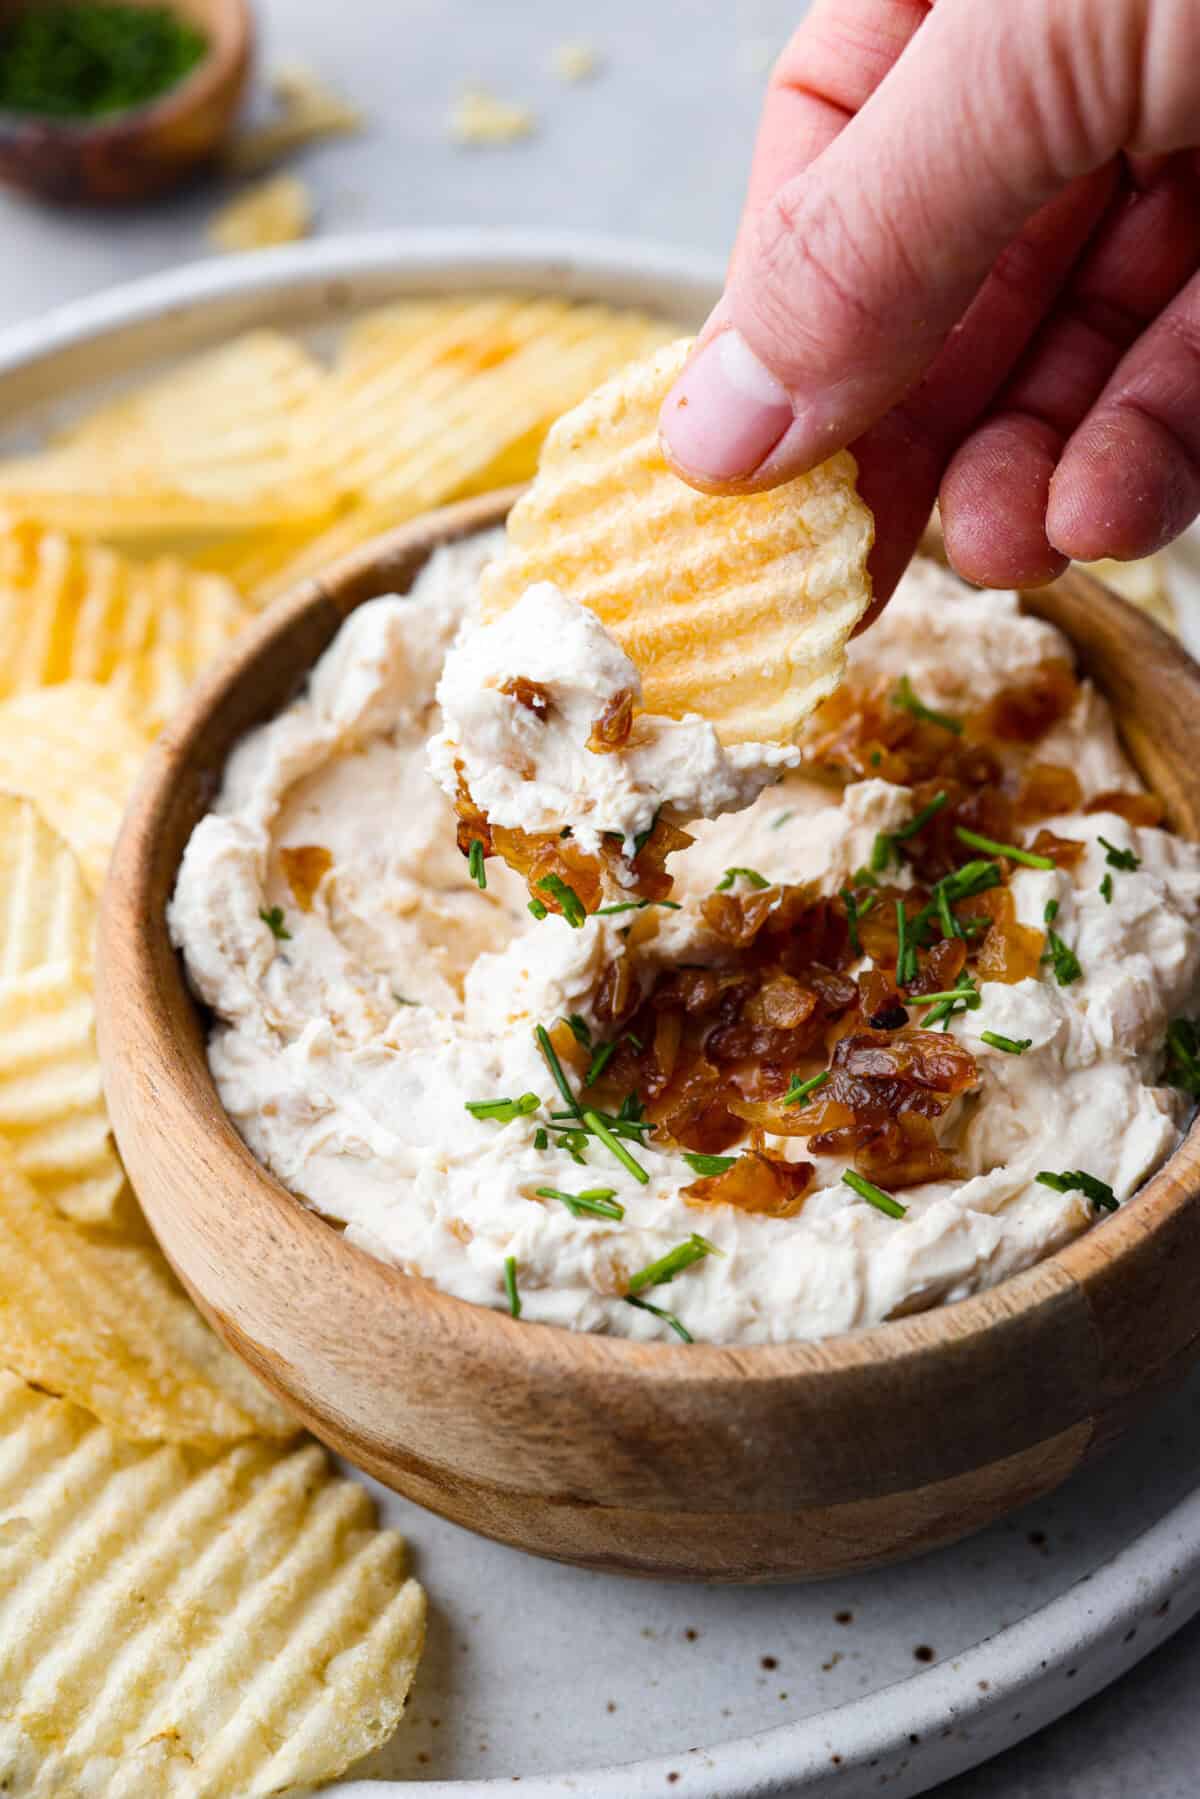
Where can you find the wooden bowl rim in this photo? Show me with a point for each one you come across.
(190, 1096)
(231, 35)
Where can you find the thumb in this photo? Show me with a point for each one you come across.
(847, 283)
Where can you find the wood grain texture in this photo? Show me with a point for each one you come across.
(708, 1462)
(143, 153)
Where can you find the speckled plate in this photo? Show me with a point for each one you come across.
(582, 1684)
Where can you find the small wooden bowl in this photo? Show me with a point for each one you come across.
(733, 1464)
(139, 154)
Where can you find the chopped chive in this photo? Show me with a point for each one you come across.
(780, 819)
(635, 906)
(906, 952)
(1123, 859)
(950, 925)
(708, 1165)
(748, 874)
(1106, 889)
(1051, 912)
(510, 1285)
(945, 1006)
(799, 1091)
(1012, 1046)
(573, 908)
(575, 1143)
(1074, 1180)
(578, 1028)
(541, 1138)
(620, 1127)
(974, 841)
(601, 1202)
(881, 852)
(401, 1001)
(657, 1274)
(883, 1202)
(600, 1061)
(920, 819)
(862, 877)
(475, 868)
(1065, 962)
(643, 1305)
(968, 995)
(596, 1124)
(906, 699)
(865, 906)
(1183, 1056)
(851, 905)
(556, 1069)
(504, 1110)
(538, 909)
(875, 758)
(272, 917)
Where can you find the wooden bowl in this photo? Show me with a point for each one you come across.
(142, 153)
(714, 1463)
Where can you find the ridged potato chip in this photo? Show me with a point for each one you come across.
(103, 1322)
(52, 1110)
(74, 750)
(207, 450)
(422, 410)
(175, 1625)
(735, 608)
(47, 913)
(79, 611)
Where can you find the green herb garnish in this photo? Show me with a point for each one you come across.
(1123, 859)
(1106, 889)
(475, 868)
(644, 1305)
(906, 699)
(95, 59)
(1012, 1046)
(1051, 912)
(708, 1165)
(556, 1069)
(612, 1143)
(657, 1274)
(1066, 963)
(906, 952)
(748, 874)
(881, 852)
(599, 1202)
(1074, 1180)
(851, 904)
(510, 1285)
(883, 1202)
(780, 819)
(862, 877)
(504, 1110)
(1183, 1056)
(920, 819)
(538, 909)
(541, 1138)
(1027, 858)
(578, 1028)
(272, 917)
(799, 1091)
(635, 906)
(643, 837)
(572, 907)
(945, 1006)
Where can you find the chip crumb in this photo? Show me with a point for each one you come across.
(307, 109)
(276, 211)
(575, 62)
(481, 117)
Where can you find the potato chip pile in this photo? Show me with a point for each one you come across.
(192, 1602)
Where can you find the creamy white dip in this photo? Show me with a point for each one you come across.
(538, 774)
(345, 1050)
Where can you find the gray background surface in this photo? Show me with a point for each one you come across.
(656, 146)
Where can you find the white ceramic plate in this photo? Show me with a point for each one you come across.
(584, 1684)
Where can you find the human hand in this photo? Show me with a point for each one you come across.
(969, 251)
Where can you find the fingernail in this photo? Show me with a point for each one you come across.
(725, 413)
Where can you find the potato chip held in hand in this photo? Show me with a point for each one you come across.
(737, 608)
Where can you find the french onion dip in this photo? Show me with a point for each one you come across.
(903, 1025)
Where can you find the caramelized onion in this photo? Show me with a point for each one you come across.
(758, 1182)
